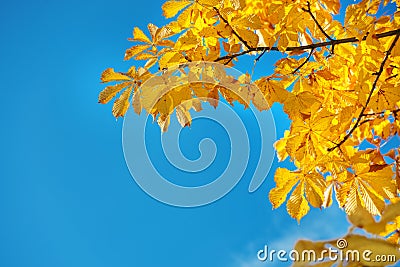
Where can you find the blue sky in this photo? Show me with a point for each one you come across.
(66, 195)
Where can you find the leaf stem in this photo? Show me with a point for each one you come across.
(305, 61)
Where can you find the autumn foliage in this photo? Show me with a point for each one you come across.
(338, 81)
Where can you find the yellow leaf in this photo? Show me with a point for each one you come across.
(285, 180)
(297, 205)
(314, 189)
(145, 56)
(251, 21)
(297, 104)
(153, 30)
(162, 33)
(232, 96)
(238, 4)
(165, 105)
(170, 59)
(283, 42)
(122, 103)
(272, 90)
(196, 104)
(150, 63)
(110, 91)
(362, 218)
(309, 188)
(389, 215)
(164, 121)
(183, 116)
(138, 35)
(209, 2)
(213, 97)
(171, 8)
(386, 98)
(109, 75)
(187, 41)
(280, 147)
(134, 50)
(327, 75)
(368, 190)
(137, 106)
(332, 5)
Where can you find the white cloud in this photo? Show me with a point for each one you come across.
(329, 225)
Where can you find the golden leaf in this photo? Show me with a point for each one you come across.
(297, 104)
(138, 35)
(249, 36)
(109, 75)
(272, 90)
(309, 189)
(183, 116)
(110, 91)
(368, 190)
(171, 8)
(122, 103)
(297, 205)
(280, 147)
(137, 106)
(285, 180)
(134, 50)
(209, 2)
(164, 121)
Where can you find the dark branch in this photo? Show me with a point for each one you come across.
(302, 64)
(310, 46)
(260, 56)
(233, 30)
(308, 10)
(391, 77)
(229, 61)
(255, 62)
(380, 113)
(378, 75)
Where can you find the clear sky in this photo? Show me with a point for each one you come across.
(67, 198)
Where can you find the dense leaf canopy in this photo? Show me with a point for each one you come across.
(338, 81)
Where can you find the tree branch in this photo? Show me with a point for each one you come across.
(233, 30)
(391, 77)
(380, 113)
(310, 46)
(308, 10)
(378, 75)
(302, 64)
(255, 62)
(260, 56)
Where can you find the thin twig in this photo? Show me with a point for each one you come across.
(233, 30)
(229, 61)
(310, 46)
(380, 113)
(260, 56)
(391, 77)
(378, 75)
(302, 64)
(255, 62)
(308, 10)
